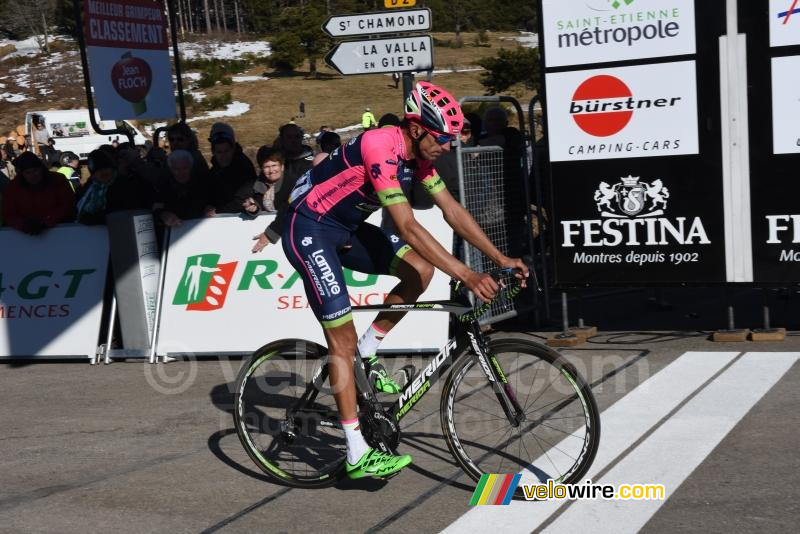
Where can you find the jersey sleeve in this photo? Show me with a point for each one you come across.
(429, 178)
(380, 166)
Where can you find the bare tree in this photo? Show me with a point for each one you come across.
(216, 15)
(224, 17)
(236, 12)
(208, 16)
(31, 17)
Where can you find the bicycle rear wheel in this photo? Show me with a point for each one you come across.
(288, 427)
(560, 432)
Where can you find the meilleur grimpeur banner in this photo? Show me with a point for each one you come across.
(128, 53)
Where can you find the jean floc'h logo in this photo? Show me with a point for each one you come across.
(631, 198)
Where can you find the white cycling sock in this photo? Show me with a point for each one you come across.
(368, 344)
(356, 446)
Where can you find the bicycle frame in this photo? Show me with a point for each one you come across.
(468, 335)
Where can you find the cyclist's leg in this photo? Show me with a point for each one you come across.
(312, 251)
(374, 250)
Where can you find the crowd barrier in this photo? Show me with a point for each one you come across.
(215, 297)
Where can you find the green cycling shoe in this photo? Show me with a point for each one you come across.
(376, 373)
(375, 463)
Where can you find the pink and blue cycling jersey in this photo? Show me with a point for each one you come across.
(358, 178)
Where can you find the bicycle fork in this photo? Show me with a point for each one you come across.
(494, 373)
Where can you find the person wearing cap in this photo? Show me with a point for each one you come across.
(38, 199)
(70, 164)
(108, 191)
(368, 121)
(232, 174)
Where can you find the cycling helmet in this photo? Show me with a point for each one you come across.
(434, 108)
(66, 157)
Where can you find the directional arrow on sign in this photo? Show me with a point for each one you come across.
(411, 20)
(374, 56)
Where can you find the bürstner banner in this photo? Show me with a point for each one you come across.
(129, 64)
(627, 112)
(583, 32)
(51, 291)
(219, 297)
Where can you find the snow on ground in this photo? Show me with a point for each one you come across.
(13, 97)
(528, 39)
(234, 109)
(223, 50)
(30, 47)
(249, 78)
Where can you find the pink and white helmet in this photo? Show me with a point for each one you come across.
(434, 108)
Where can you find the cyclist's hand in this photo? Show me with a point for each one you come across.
(261, 242)
(483, 285)
(170, 219)
(522, 269)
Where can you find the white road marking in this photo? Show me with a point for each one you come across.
(677, 447)
(622, 424)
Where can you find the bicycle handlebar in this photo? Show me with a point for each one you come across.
(511, 291)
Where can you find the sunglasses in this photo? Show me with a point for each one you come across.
(441, 139)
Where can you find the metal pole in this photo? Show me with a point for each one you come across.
(564, 313)
(765, 294)
(538, 198)
(730, 318)
(408, 84)
(177, 58)
(159, 295)
(112, 319)
(87, 84)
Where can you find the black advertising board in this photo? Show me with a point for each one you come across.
(773, 65)
(633, 125)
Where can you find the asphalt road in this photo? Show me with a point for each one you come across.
(130, 447)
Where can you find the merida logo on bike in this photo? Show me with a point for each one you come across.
(327, 274)
(421, 384)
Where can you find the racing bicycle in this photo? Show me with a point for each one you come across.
(509, 404)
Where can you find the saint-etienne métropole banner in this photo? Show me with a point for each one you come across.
(219, 297)
(128, 52)
(51, 291)
(633, 127)
(773, 63)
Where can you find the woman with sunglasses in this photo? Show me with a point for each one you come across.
(325, 231)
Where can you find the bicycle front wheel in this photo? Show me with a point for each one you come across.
(559, 427)
(288, 426)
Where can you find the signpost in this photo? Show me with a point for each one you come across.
(376, 56)
(412, 20)
(399, 3)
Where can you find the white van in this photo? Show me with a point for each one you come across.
(72, 131)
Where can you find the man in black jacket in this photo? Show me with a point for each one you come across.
(298, 160)
(232, 173)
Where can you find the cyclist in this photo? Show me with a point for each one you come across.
(325, 231)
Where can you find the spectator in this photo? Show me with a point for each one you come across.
(271, 163)
(6, 167)
(476, 125)
(368, 121)
(70, 165)
(389, 119)
(396, 80)
(330, 141)
(495, 120)
(232, 173)
(182, 193)
(108, 191)
(38, 199)
(298, 159)
(322, 130)
(181, 137)
(41, 139)
(302, 110)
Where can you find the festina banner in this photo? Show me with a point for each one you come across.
(635, 149)
(773, 72)
(128, 52)
(51, 291)
(599, 31)
(219, 297)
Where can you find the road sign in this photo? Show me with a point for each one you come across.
(399, 3)
(410, 20)
(402, 54)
